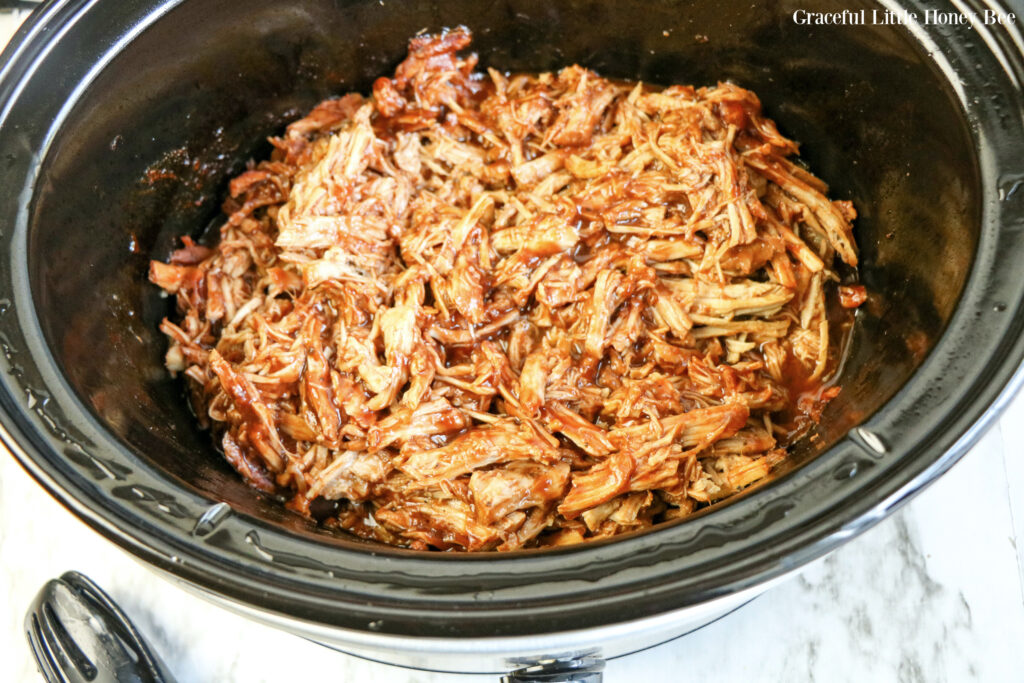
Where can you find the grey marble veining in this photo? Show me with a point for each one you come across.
(1011, 430)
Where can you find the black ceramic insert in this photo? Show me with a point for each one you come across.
(121, 122)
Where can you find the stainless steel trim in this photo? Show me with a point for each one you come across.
(496, 655)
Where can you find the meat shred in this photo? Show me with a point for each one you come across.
(490, 311)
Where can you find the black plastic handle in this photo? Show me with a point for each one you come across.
(79, 635)
(580, 667)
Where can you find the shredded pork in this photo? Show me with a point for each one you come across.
(488, 311)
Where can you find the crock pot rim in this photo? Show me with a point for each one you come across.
(257, 571)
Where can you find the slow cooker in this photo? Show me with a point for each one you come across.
(920, 124)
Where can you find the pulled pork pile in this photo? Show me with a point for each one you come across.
(481, 311)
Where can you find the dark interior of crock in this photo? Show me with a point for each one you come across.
(146, 153)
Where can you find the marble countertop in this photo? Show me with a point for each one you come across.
(933, 593)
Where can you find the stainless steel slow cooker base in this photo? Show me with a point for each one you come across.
(500, 655)
(76, 632)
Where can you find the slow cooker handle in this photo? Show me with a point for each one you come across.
(580, 667)
(79, 635)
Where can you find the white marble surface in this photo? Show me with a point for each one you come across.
(934, 593)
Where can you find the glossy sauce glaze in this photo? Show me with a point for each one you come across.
(487, 311)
